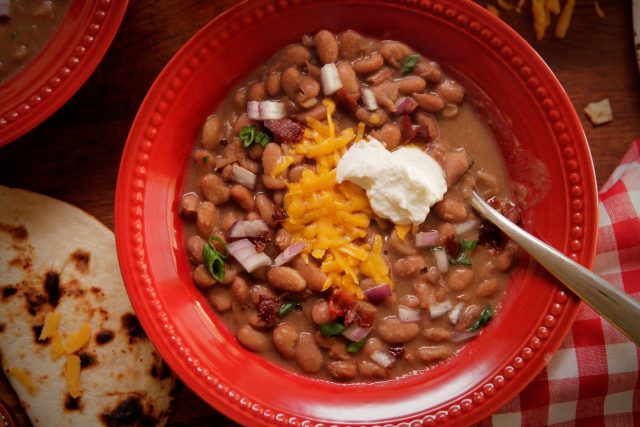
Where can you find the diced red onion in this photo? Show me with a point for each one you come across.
(409, 315)
(265, 110)
(5, 9)
(438, 310)
(244, 176)
(383, 358)
(355, 333)
(288, 254)
(247, 229)
(245, 253)
(368, 98)
(454, 314)
(426, 238)
(463, 336)
(377, 294)
(405, 105)
(463, 227)
(330, 79)
(442, 263)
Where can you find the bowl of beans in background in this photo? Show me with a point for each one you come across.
(47, 51)
(263, 266)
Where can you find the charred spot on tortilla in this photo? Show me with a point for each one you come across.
(86, 359)
(97, 292)
(127, 413)
(34, 301)
(22, 262)
(17, 233)
(37, 329)
(160, 371)
(81, 260)
(2, 326)
(104, 336)
(132, 327)
(72, 403)
(8, 291)
(52, 287)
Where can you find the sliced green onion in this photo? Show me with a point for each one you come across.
(250, 134)
(410, 63)
(485, 316)
(468, 245)
(285, 308)
(354, 347)
(332, 329)
(213, 259)
(462, 259)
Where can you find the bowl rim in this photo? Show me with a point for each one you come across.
(61, 67)
(129, 191)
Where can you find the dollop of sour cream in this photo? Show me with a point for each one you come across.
(402, 185)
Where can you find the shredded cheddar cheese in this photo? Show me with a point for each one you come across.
(50, 327)
(23, 378)
(565, 19)
(332, 218)
(57, 347)
(403, 230)
(78, 339)
(72, 375)
(281, 166)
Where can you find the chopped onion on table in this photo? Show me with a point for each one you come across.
(247, 228)
(383, 358)
(245, 253)
(467, 226)
(330, 79)
(437, 310)
(426, 238)
(442, 263)
(455, 312)
(355, 333)
(377, 294)
(265, 110)
(463, 336)
(288, 254)
(409, 315)
(368, 98)
(244, 176)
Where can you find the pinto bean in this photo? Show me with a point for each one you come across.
(189, 205)
(312, 274)
(372, 345)
(242, 197)
(390, 135)
(456, 164)
(506, 257)
(430, 123)
(211, 131)
(252, 340)
(286, 279)
(394, 52)
(270, 157)
(272, 83)
(295, 55)
(486, 184)
(424, 293)
(309, 88)
(273, 183)
(350, 44)
(256, 92)
(459, 278)
(428, 70)
(219, 298)
(374, 119)
(430, 102)
(230, 272)
(308, 355)
(207, 217)
(285, 337)
(239, 290)
(204, 159)
(392, 331)
(240, 99)
(265, 208)
(487, 288)
(338, 351)
(386, 94)
(411, 84)
(214, 189)
(409, 300)
(227, 173)
(342, 370)
(451, 91)
(350, 81)
(259, 290)
(319, 112)
(468, 316)
(295, 173)
(227, 220)
(202, 277)
(445, 230)
(403, 247)
(433, 354)
(409, 266)
(437, 334)
(290, 81)
(326, 46)
(241, 122)
(320, 313)
(450, 209)
(195, 246)
(282, 239)
(450, 110)
(368, 64)
(379, 77)
(369, 369)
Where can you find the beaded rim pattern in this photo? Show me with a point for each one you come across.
(64, 80)
(573, 175)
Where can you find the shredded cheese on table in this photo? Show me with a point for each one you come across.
(332, 218)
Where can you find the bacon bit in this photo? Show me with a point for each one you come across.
(345, 100)
(268, 309)
(452, 246)
(286, 130)
(408, 131)
(397, 350)
(261, 241)
(339, 303)
(490, 236)
(279, 214)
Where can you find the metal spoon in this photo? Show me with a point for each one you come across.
(618, 308)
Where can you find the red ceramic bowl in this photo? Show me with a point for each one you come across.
(530, 111)
(63, 65)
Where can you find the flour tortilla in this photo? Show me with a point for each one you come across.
(44, 244)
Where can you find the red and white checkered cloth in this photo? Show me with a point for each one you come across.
(594, 378)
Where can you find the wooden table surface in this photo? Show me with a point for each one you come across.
(74, 155)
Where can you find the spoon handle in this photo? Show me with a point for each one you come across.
(614, 305)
